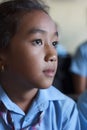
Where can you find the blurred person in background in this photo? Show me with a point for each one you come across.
(79, 69)
(63, 80)
(82, 108)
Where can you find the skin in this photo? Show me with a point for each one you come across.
(31, 58)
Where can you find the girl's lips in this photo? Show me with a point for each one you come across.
(49, 72)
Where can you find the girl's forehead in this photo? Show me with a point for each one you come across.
(37, 18)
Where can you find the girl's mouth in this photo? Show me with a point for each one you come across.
(49, 73)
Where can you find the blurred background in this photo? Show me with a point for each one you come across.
(71, 16)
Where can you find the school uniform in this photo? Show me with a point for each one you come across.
(82, 107)
(51, 110)
(79, 61)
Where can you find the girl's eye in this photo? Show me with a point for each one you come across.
(55, 43)
(37, 42)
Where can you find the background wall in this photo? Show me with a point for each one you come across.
(71, 16)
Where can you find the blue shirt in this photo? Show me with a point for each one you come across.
(51, 110)
(79, 61)
(82, 107)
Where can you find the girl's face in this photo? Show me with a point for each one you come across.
(32, 57)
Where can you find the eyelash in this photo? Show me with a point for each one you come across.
(55, 43)
(40, 42)
(37, 42)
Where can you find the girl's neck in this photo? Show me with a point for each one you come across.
(20, 96)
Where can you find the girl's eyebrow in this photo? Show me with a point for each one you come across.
(37, 30)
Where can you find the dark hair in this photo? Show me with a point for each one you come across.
(10, 16)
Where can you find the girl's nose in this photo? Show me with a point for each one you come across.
(51, 54)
